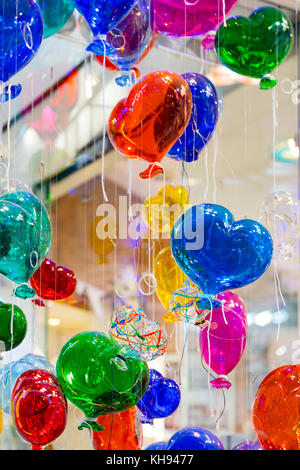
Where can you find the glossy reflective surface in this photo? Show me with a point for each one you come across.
(53, 282)
(218, 253)
(203, 120)
(55, 13)
(194, 438)
(168, 275)
(13, 326)
(248, 445)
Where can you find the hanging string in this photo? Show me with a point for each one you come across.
(104, 125)
(224, 13)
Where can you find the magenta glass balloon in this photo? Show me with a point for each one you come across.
(223, 339)
(189, 17)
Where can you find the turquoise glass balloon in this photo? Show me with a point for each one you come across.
(218, 253)
(25, 235)
(55, 13)
(256, 45)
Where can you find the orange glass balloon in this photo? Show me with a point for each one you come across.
(122, 431)
(155, 114)
(276, 409)
(168, 275)
(102, 246)
(160, 211)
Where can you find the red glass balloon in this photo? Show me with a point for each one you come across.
(123, 431)
(276, 409)
(152, 118)
(39, 408)
(53, 282)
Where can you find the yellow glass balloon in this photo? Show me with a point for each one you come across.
(101, 245)
(168, 275)
(160, 211)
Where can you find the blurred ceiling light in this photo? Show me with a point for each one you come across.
(222, 76)
(287, 151)
(280, 351)
(263, 318)
(54, 321)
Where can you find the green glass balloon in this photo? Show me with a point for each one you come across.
(55, 13)
(13, 326)
(99, 376)
(25, 235)
(256, 45)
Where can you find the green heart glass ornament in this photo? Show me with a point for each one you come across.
(256, 45)
(13, 326)
(100, 377)
(25, 235)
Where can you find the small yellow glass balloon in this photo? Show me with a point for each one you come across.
(160, 211)
(100, 243)
(168, 275)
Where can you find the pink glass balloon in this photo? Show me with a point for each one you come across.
(189, 17)
(223, 338)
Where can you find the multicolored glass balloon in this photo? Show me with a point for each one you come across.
(160, 211)
(218, 253)
(12, 371)
(100, 377)
(203, 120)
(223, 337)
(276, 409)
(189, 17)
(194, 438)
(280, 213)
(161, 399)
(25, 235)
(22, 26)
(130, 326)
(55, 13)
(147, 124)
(13, 326)
(130, 39)
(121, 431)
(39, 408)
(255, 46)
(102, 16)
(52, 282)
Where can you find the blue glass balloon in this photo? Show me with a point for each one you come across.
(102, 16)
(158, 446)
(10, 372)
(161, 399)
(21, 27)
(194, 438)
(248, 445)
(131, 38)
(218, 253)
(203, 121)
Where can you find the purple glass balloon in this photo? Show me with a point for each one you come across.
(223, 339)
(248, 445)
(189, 17)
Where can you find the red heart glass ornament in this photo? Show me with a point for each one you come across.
(155, 114)
(39, 408)
(53, 282)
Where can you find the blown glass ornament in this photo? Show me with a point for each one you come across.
(168, 275)
(194, 438)
(100, 377)
(55, 13)
(13, 326)
(52, 282)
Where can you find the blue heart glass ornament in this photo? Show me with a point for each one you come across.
(161, 399)
(10, 373)
(194, 438)
(216, 252)
(21, 28)
(102, 16)
(130, 39)
(25, 235)
(203, 120)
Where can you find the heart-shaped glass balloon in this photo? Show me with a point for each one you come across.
(218, 253)
(53, 282)
(25, 235)
(256, 45)
(99, 376)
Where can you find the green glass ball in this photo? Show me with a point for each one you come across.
(99, 376)
(55, 13)
(12, 338)
(256, 45)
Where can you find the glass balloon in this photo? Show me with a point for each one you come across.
(99, 376)
(101, 246)
(130, 326)
(255, 46)
(248, 445)
(194, 438)
(52, 282)
(157, 446)
(218, 253)
(12, 371)
(55, 13)
(276, 409)
(203, 120)
(13, 326)
(280, 213)
(168, 275)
